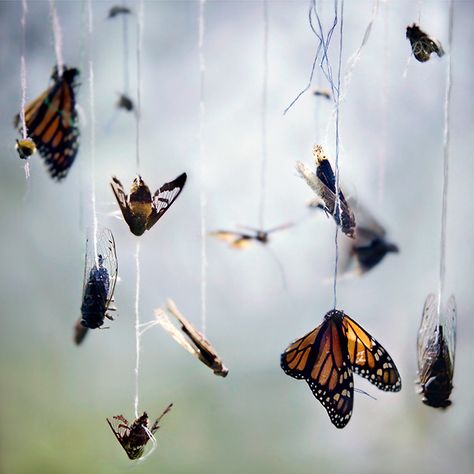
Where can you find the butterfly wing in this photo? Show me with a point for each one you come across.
(164, 198)
(122, 200)
(369, 359)
(52, 123)
(320, 358)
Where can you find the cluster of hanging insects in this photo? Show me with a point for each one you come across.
(327, 356)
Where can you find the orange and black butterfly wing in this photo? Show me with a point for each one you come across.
(369, 359)
(52, 123)
(320, 358)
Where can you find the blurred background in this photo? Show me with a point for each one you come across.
(55, 396)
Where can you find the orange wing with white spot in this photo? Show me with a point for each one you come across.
(369, 359)
(320, 357)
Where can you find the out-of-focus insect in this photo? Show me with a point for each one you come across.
(52, 122)
(369, 247)
(100, 276)
(139, 209)
(436, 352)
(326, 358)
(25, 148)
(119, 10)
(195, 343)
(241, 240)
(322, 93)
(423, 45)
(125, 103)
(134, 437)
(323, 183)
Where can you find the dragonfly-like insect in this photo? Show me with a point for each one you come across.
(140, 209)
(323, 183)
(100, 277)
(436, 352)
(195, 343)
(133, 437)
(422, 45)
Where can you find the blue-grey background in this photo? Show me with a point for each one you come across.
(55, 396)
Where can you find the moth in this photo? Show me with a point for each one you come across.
(323, 183)
(25, 148)
(436, 352)
(134, 437)
(140, 209)
(100, 277)
(119, 10)
(327, 357)
(194, 342)
(422, 45)
(241, 240)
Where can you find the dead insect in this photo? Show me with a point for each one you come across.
(139, 209)
(134, 437)
(436, 352)
(322, 93)
(119, 10)
(25, 148)
(100, 276)
(125, 102)
(241, 240)
(423, 45)
(323, 183)
(196, 344)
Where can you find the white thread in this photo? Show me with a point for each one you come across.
(140, 17)
(152, 438)
(203, 199)
(125, 51)
(137, 326)
(58, 37)
(446, 140)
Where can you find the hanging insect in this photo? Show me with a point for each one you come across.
(134, 437)
(196, 344)
(100, 276)
(322, 93)
(327, 357)
(119, 10)
(125, 103)
(25, 148)
(423, 45)
(323, 183)
(436, 352)
(140, 210)
(52, 123)
(241, 240)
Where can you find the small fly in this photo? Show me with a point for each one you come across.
(423, 45)
(134, 437)
(119, 10)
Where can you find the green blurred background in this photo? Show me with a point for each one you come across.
(55, 396)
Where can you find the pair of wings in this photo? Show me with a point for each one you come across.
(423, 45)
(327, 357)
(52, 123)
(161, 202)
(194, 343)
(106, 249)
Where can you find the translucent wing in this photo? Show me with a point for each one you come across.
(165, 197)
(236, 240)
(106, 249)
(368, 227)
(450, 326)
(428, 328)
(369, 359)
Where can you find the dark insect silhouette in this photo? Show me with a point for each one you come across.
(140, 210)
(119, 10)
(422, 45)
(134, 437)
(322, 93)
(195, 343)
(25, 148)
(323, 183)
(100, 276)
(241, 240)
(436, 352)
(125, 103)
(52, 123)
(326, 358)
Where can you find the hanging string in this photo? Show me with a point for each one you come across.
(264, 117)
(126, 82)
(58, 37)
(140, 17)
(24, 131)
(446, 139)
(203, 199)
(337, 207)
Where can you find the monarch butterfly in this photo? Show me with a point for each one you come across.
(422, 45)
(100, 276)
(326, 358)
(323, 183)
(52, 123)
(196, 344)
(436, 352)
(139, 209)
(240, 240)
(134, 437)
